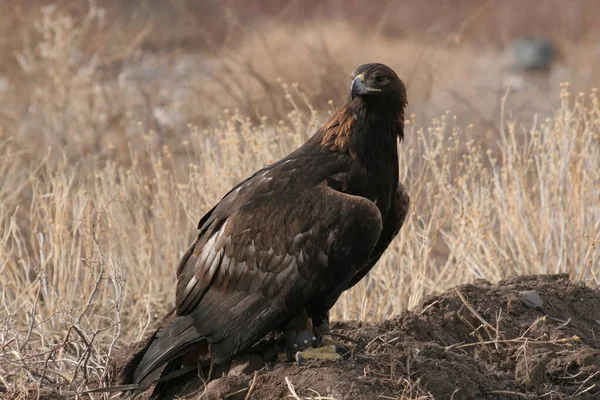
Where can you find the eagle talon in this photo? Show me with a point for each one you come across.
(342, 350)
(332, 351)
(327, 341)
(295, 342)
(329, 352)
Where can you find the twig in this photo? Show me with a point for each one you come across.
(51, 353)
(428, 307)
(295, 395)
(252, 386)
(291, 389)
(520, 340)
(476, 314)
(85, 359)
(100, 275)
(581, 390)
(474, 330)
(344, 337)
(372, 341)
(118, 284)
(33, 313)
(511, 393)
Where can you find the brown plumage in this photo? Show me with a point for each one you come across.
(283, 244)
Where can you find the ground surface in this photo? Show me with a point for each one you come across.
(526, 337)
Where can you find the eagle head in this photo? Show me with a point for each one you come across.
(377, 83)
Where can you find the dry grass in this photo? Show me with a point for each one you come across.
(99, 197)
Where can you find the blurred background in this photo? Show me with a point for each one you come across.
(157, 65)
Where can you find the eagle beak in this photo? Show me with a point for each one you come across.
(358, 87)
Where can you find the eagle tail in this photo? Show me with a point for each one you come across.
(162, 355)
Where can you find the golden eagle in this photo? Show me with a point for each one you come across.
(278, 250)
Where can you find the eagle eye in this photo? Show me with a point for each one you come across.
(380, 79)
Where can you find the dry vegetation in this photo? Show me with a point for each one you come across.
(105, 173)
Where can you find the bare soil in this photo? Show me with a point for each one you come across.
(526, 337)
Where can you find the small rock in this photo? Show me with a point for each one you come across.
(531, 54)
(531, 299)
(299, 358)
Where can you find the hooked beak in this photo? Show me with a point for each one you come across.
(358, 87)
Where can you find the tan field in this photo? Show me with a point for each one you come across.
(120, 126)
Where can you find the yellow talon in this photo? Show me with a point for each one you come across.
(321, 353)
(327, 352)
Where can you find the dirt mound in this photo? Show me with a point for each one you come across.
(526, 337)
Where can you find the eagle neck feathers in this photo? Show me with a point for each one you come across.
(362, 131)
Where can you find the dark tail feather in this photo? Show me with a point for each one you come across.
(163, 383)
(129, 368)
(162, 354)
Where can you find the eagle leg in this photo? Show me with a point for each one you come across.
(321, 326)
(304, 340)
(299, 333)
(323, 333)
(299, 340)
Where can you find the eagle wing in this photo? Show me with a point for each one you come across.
(272, 243)
(392, 223)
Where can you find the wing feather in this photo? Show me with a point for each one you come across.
(265, 250)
